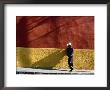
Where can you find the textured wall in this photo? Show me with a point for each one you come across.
(54, 58)
(55, 31)
(41, 41)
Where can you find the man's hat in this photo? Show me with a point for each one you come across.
(69, 44)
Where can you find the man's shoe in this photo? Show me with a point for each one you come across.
(71, 70)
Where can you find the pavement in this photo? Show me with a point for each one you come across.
(20, 70)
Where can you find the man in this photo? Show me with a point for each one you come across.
(69, 52)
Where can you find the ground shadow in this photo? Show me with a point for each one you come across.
(23, 56)
(50, 61)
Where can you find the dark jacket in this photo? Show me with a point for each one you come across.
(69, 51)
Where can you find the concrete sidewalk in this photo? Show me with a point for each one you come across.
(53, 71)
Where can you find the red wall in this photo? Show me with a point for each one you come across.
(55, 31)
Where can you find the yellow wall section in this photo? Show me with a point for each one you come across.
(53, 58)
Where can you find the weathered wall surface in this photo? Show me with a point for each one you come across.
(41, 41)
(55, 31)
(54, 58)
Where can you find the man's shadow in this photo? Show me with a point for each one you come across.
(50, 61)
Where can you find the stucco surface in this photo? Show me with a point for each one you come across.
(55, 31)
